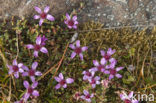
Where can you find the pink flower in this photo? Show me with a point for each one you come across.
(43, 39)
(77, 50)
(15, 68)
(87, 96)
(32, 72)
(71, 22)
(88, 75)
(114, 71)
(38, 46)
(43, 15)
(107, 55)
(100, 67)
(63, 82)
(30, 89)
(128, 98)
(94, 81)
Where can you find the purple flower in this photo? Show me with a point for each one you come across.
(88, 75)
(94, 81)
(87, 96)
(107, 55)
(38, 46)
(30, 89)
(63, 82)
(100, 67)
(112, 63)
(15, 68)
(77, 50)
(113, 71)
(128, 98)
(32, 72)
(43, 39)
(71, 22)
(43, 15)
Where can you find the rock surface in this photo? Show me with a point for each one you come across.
(109, 12)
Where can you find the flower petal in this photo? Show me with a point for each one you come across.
(35, 93)
(106, 72)
(97, 78)
(44, 50)
(69, 27)
(130, 94)
(103, 61)
(111, 76)
(38, 40)
(37, 73)
(41, 22)
(50, 17)
(88, 100)
(20, 65)
(34, 65)
(76, 22)
(25, 74)
(94, 69)
(34, 85)
(81, 56)
(26, 96)
(110, 51)
(85, 92)
(65, 86)
(75, 27)
(21, 70)
(72, 46)
(74, 18)
(26, 84)
(93, 85)
(102, 52)
(58, 79)
(35, 53)
(78, 43)
(69, 80)
(118, 76)
(29, 46)
(32, 78)
(73, 55)
(61, 76)
(36, 17)
(38, 9)
(16, 74)
(25, 68)
(96, 63)
(67, 16)
(122, 97)
(84, 48)
(119, 68)
(46, 9)
(57, 86)
(14, 62)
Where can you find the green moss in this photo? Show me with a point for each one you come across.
(134, 47)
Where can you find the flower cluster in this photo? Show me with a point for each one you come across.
(19, 68)
(107, 64)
